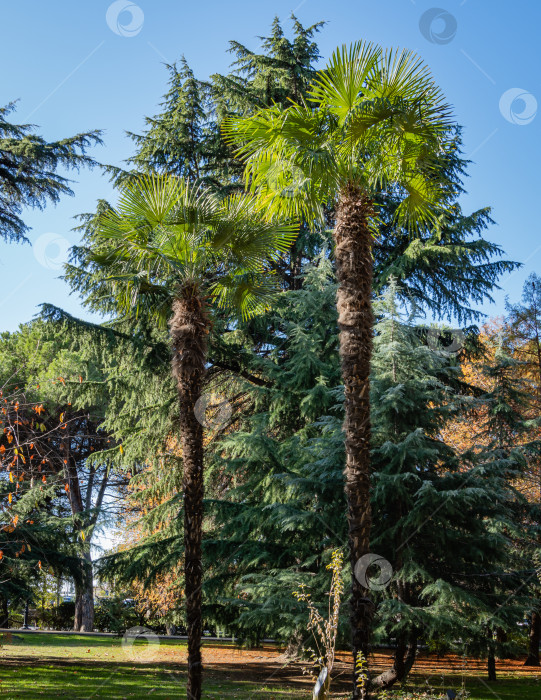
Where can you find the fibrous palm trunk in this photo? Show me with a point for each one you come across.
(189, 328)
(353, 253)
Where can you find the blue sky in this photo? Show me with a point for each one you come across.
(76, 66)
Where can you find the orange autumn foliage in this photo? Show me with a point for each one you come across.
(469, 433)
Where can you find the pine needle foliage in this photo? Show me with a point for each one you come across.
(29, 170)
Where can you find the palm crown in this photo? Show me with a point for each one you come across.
(375, 119)
(166, 234)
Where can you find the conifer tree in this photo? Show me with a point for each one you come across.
(29, 170)
(283, 71)
(442, 515)
(449, 268)
(174, 141)
(278, 499)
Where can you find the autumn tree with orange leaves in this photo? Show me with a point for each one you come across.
(31, 536)
(505, 417)
(51, 431)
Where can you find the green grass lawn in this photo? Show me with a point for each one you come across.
(77, 667)
(504, 689)
(52, 666)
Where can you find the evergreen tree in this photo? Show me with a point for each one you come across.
(444, 518)
(29, 167)
(278, 494)
(282, 72)
(174, 141)
(448, 267)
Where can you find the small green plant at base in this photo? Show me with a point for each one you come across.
(361, 665)
(324, 631)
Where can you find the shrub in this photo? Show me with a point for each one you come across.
(116, 615)
(59, 617)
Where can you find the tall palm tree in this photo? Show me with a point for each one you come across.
(375, 120)
(172, 251)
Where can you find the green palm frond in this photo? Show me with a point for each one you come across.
(376, 118)
(340, 86)
(239, 227)
(150, 199)
(166, 234)
(251, 293)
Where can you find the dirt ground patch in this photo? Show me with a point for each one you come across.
(269, 664)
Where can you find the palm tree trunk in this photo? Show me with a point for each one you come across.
(354, 269)
(189, 329)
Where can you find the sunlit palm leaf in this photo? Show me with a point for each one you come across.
(376, 119)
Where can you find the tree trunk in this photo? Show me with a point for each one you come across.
(189, 328)
(533, 640)
(77, 617)
(4, 612)
(84, 598)
(404, 658)
(491, 664)
(353, 254)
(294, 646)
